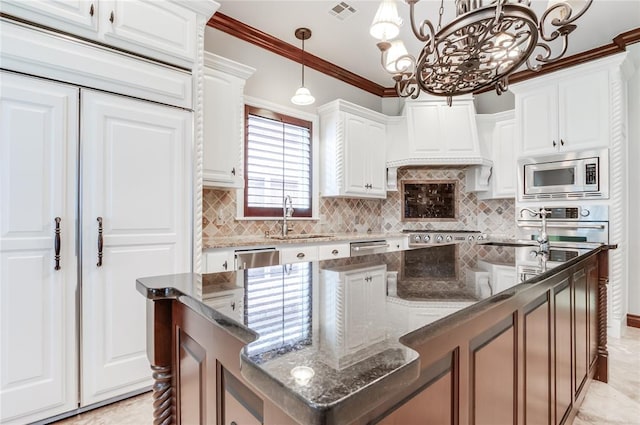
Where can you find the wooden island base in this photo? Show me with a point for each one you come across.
(527, 358)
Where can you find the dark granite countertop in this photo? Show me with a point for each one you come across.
(325, 338)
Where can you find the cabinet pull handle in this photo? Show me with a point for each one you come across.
(233, 171)
(225, 265)
(100, 242)
(233, 306)
(91, 11)
(334, 252)
(561, 142)
(554, 143)
(300, 255)
(112, 17)
(57, 244)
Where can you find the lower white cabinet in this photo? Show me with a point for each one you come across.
(121, 218)
(296, 254)
(219, 260)
(337, 250)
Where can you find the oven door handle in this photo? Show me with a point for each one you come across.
(565, 226)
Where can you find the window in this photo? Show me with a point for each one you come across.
(277, 164)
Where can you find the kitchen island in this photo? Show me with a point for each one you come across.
(449, 334)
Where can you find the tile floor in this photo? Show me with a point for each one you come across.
(615, 403)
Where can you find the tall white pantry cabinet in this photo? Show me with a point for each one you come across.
(97, 185)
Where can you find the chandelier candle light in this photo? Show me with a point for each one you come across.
(481, 47)
(303, 95)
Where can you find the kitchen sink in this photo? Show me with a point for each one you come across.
(300, 236)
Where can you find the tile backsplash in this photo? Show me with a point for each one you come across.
(337, 215)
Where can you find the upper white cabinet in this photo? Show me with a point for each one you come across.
(497, 140)
(163, 30)
(224, 82)
(436, 134)
(561, 113)
(352, 145)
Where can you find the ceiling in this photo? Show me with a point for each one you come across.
(344, 40)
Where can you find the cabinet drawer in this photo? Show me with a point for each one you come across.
(298, 254)
(218, 261)
(326, 252)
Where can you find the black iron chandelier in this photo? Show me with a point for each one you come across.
(481, 47)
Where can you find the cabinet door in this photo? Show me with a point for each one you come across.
(38, 156)
(223, 124)
(583, 103)
(376, 161)
(537, 121)
(164, 27)
(504, 153)
(356, 131)
(135, 178)
(219, 261)
(78, 17)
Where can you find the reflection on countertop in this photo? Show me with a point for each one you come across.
(328, 329)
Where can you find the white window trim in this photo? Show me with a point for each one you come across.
(315, 159)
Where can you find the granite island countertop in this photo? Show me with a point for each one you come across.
(325, 338)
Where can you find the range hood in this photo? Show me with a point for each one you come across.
(431, 133)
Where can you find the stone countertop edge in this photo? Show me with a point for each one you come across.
(344, 410)
(245, 241)
(172, 287)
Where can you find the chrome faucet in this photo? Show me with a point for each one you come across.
(543, 237)
(287, 212)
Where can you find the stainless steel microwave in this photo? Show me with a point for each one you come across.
(573, 175)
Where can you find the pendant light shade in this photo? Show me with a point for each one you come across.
(303, 96)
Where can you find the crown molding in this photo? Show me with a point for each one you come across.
(266, 41)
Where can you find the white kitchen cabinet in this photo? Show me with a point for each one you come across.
(353, 304)
(219, 260)
(563, 113)
(352, 145)
(135, 183)
(436, 134)
(497, 139)
(223, 160)
(38, 342)
(162, 30)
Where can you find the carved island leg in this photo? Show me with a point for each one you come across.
(602, 366)
(159, 337)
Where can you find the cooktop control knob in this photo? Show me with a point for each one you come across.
(449, 238)
(584, 212)
(426, 238)
(480, 237)
(416, 238)
(439, 238)
(470, 238)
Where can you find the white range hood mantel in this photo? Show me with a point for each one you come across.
(431, 133)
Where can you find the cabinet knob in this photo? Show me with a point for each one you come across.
(233, 306)
(554, 143)
(112, 17)
(300, 255)
(225, 265)
(561, 142)
(334, 252)
(91, 10)
(233, 171)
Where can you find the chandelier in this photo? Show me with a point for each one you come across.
(481, 47)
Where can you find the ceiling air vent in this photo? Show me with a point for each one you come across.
(342, 11)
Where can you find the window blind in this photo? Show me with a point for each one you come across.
(277, 163)
(278, 306)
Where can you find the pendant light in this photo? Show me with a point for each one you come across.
(303, 95)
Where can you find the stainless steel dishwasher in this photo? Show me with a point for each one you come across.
(368, 247)
(250, 258)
